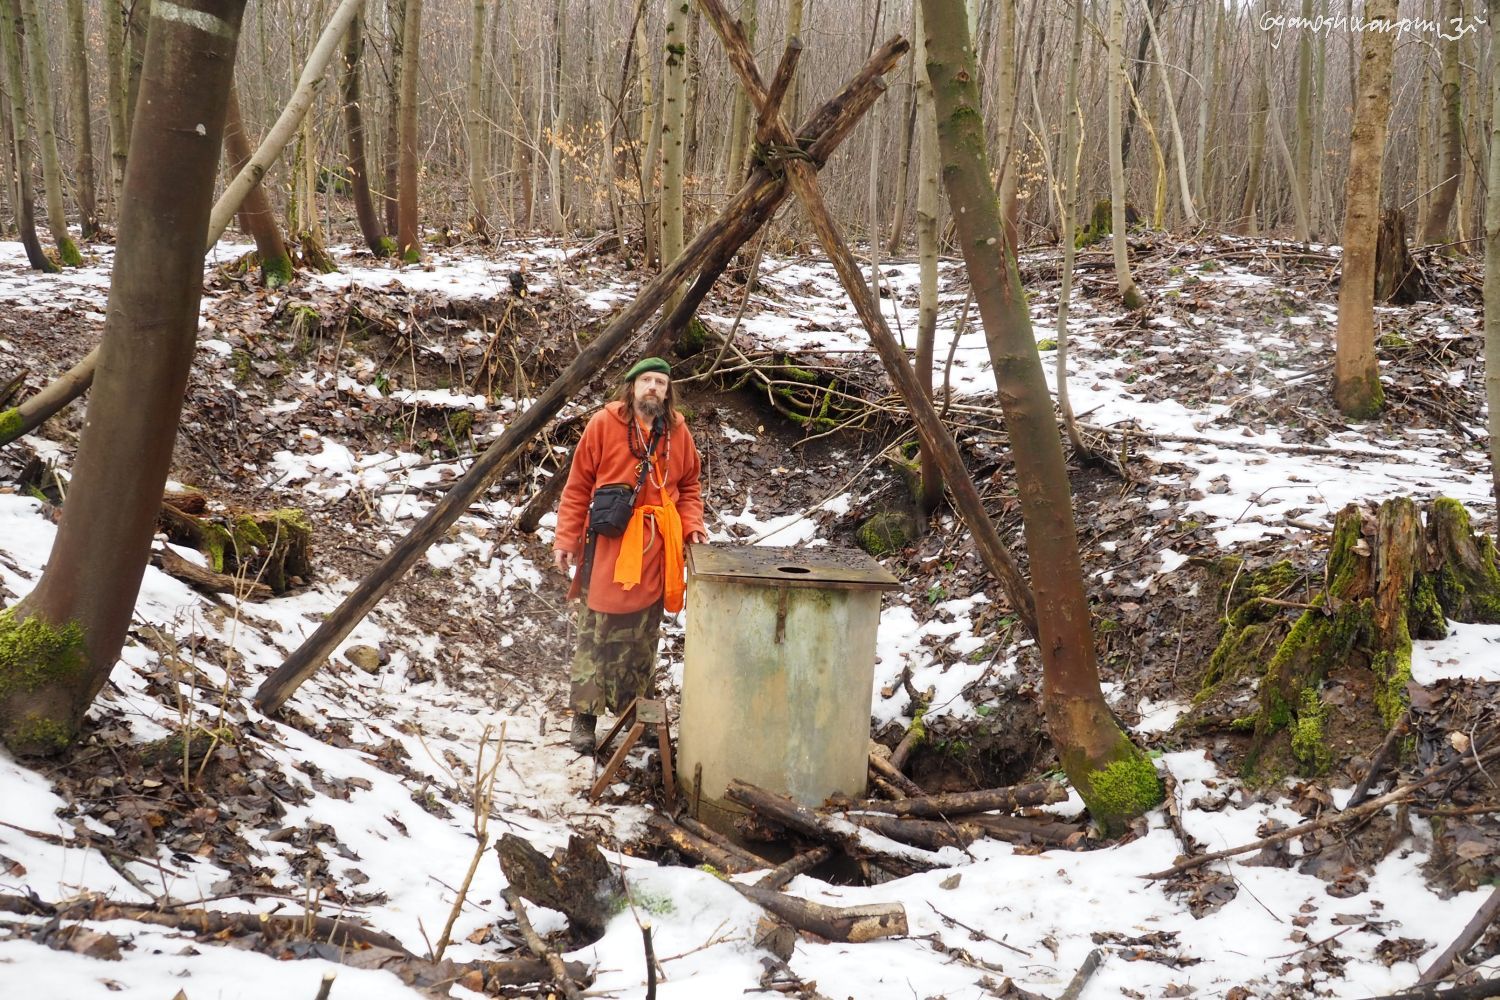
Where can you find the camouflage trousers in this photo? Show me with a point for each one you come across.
(615, 660)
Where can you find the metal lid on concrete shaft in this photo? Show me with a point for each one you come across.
(762, 566)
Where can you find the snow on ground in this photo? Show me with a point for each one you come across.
(407, 859)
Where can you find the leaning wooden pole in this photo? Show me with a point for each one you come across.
(739, 220)
(934, 436)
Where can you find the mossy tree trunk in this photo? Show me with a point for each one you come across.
(256, 216)
(58, 645)
(1356, 378)
(1116, 780)
(78, 91)
(1389, 579)
(354, 131)
(24, 194)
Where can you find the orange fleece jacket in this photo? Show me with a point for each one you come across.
(603, 456)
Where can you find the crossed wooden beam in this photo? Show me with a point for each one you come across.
(784, 162)
(772, 132)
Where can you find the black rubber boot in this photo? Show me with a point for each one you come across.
(582, 737)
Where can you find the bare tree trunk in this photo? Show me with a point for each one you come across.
(1356, 376)
(650, 140)
(20, 120)
(77, 617)
(1302, 175)
(78, 90)
(370, 228)
(1249, 222)
(929, 204)
(1129, 294)
(1492, 263)
(1117, 781)
(520, 153)
(478, 129)
(559, 119)
(897, 240)
(256, 215)
(1179, 153)
(794, 10)
(114, 98)
(408, 239)
(1005, 118)
(1450, 135)
(1067, 206)
(740, 123)
(673, 126)
(136, 23)
(288, 122)
(46, 132)
(395, 11)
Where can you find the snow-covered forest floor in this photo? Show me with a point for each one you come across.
(344, 395)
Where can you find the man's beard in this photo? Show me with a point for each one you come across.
(648, 408)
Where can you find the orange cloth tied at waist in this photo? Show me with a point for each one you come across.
(633, 545)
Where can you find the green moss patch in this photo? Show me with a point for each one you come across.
(34, 653)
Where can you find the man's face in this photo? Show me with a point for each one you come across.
(649, 394)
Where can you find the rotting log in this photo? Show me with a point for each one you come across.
(270, 547)
(206, 580)
(1389, 579)
(708, 833)
(740, 219)
(1026, 830)
(836, 832)
(930, 835)
(672, 835)
(1039, 793)
(1398, 278)
(576, 881)
(930, 429)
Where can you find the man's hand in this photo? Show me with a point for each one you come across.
(697, 537)
(563, 561)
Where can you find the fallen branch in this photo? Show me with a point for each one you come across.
(560, 975)
(1369, 808)
(927, 834)
(801, 864)
(1362, 790)
(1082, 976)
(963, 803)
(1472, 932)
(1475, 991)
(852, 924)
(891, 773)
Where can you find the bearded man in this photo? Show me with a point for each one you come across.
(637, 440)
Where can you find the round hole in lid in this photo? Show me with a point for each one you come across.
(792, 569)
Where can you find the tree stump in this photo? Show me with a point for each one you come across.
(576, 881)
(1398, 279)
(1389, 579)
(271, 547)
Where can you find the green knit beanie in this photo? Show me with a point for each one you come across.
(648, 365)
